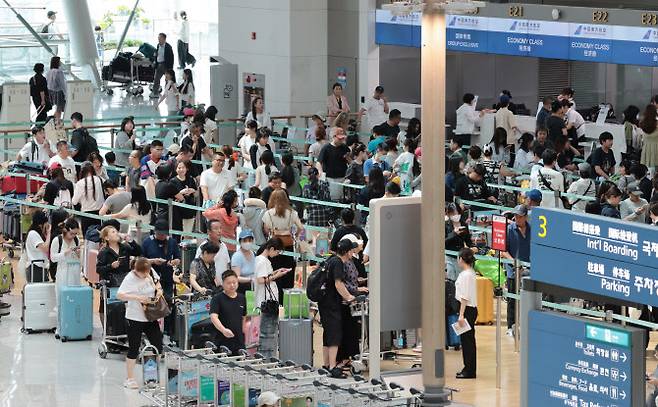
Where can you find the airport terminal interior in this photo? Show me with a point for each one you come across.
(230, 203)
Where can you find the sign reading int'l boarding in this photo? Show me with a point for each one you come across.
(499, 233)
(595, 254)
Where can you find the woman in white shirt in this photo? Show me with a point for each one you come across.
(97, 161)
(88, 192)
(466, 294)
(467, 120)
(524, 154)
(170, 96)
(246, 141)
(139, 209)
(139, 287)
(265, 169)
(210, 126)
(265, 275)
(65, 251)
(37, 248)
(186, 89)
(258, 113)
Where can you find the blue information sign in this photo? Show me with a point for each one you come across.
(595, 254)
(534, 38)
(576, 362)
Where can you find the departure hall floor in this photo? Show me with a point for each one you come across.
(38, 370)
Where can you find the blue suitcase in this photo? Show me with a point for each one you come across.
(452, 340)
(75, 313)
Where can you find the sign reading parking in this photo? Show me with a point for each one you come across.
(576, 362)
(595, 254)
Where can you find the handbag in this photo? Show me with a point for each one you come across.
(269, 306)
(158, 308)
(286, 239)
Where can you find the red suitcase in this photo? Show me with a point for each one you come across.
(18, 185)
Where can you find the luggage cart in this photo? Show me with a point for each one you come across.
(191, 309)
(131, 81)
(360, 309)
(110, 343)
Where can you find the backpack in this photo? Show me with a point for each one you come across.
(452, 305)
(316, 285)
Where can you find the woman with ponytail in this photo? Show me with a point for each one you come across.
(265, 168)
(88, 193)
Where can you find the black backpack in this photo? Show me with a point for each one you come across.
(316, 285)
(452, 305)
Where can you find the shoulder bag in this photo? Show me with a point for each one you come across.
(158, 308)
(269, 306)
(286, 239)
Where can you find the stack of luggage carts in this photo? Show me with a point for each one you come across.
(131, 70)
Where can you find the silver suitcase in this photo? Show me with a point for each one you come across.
(296, 341)
(39, 307)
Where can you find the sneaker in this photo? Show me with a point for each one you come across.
(337, 373)
(510, 332)
(130, 384)
(418, 349)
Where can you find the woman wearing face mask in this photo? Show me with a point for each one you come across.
(466, 294)
(138, 288)
(243, 261)
(266, 277)
(457, 237)
(228, 218)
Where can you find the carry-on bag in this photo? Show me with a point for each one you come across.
(39, 303)
(485, 291)
(90, 257)
(295, 303)
(5, 276)
(115, 314)
(75, 313)
(296, 340)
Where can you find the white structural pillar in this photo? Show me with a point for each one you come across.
(81, 38)
(368, 63)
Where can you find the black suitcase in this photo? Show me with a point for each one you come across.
(106, 73)
(116, 318)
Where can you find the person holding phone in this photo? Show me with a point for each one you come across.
(634, 208)
(457, 235)
(266, 290)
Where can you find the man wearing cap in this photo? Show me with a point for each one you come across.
(634, 208)
(36, 150)
(330, 305)
(474, 188)
(583, 186)
(603, 158)
(376, 108)
(333, 160)
(64, 159)
(533, 198)
(50, 28)
(517, 247)
(506, 119)
(164, 254)
(377, 161)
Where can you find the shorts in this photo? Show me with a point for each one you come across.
(332, 325)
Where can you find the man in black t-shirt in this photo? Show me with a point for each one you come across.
(348, 227)
(557, 129)
(333, 160)
(474, 188)
(330, 305)
(391, 127)
(228, 310)
(83, 143)
(603, 158)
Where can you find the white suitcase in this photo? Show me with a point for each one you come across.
(39, 307)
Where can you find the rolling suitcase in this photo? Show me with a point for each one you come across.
(75, 313)
(90, 256)
(39, 303)
(295, 303)
(115, 312)
(485, 307)
(296, 340)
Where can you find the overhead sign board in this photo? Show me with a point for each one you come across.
(595, 254)
(577, 362)
(533, 38)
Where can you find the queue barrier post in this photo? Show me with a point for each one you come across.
(27, 184)
(517, 306)
(6, 145)
(197, 226)
(170, 212)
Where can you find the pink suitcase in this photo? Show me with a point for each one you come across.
(91, 254)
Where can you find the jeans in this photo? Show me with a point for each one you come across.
(268, 341)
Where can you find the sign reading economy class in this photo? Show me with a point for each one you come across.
(595, 254)
(577, 362)
(533, 38)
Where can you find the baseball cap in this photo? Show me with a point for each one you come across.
(634, 189)
(534, 195)
(520, 210)
(188, 111)
(51, 13)
(111, 222)
(54, 165)
(174, 148)
(246, 233)
(268, 398)
(346, 244)
(320, 115)
(504, 99)
(161, 226)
